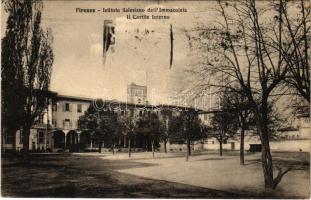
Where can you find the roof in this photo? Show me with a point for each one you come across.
(124, 104)
(287, 129)
(73, 98)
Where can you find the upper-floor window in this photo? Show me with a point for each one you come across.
(67, 123)
(54, 107)
(54, 123)
(40, 119)
(67, 107)
(79, 108)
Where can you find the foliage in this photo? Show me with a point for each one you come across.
(103, 124)
(26, 65)
(151, 126)
(185, 126)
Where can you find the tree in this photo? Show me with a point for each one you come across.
(110, 126)
(164, 136)
(297, 30)
(186, 127)
(236, 47)
(151, 126)
(102, 124)
(27, 59)
(238, 104)
(225, 122)
(128, 128)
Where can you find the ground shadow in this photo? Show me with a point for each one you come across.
(89, 176)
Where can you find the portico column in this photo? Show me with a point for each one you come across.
(66, 132)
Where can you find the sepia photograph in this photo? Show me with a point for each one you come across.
(149, 99)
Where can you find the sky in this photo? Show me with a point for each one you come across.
(78, 67)
(138, 57)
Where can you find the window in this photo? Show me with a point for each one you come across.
(140, 113)
(54, 107)
(122, 112)
(9, 138)
(67, 107)
(54, 122)
(79, 108)
(40, 119)
(67, 123)
(40, 137)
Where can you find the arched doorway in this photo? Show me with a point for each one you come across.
(59, 139)
(72, 141)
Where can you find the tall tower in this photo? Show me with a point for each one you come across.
(136, 94)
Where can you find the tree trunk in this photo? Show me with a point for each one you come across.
(2, 140)
(26, 134)
(165, 150)
(152, 147)
(134, 145)
(100, 147)
(262, 126)
(266, 157)
(220, 145)
(14, 139)
(189, 146)
(188, 152)
(113, 146)
(242, 146)
(129, 147)
(124, 141)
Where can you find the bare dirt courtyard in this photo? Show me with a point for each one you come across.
(205, 175)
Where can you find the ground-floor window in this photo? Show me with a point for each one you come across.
(41, 137)
(8, 138)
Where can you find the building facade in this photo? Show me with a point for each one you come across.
(57, 128)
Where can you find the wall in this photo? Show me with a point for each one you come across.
(60, 115)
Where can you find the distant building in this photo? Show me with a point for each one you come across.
(136, 94)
